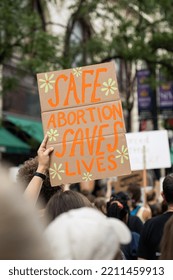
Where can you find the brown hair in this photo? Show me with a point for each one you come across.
(26, 173)
(100, 203)
(166, 244)
(134, 192)
(64, 201)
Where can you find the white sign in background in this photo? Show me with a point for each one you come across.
(156, 149)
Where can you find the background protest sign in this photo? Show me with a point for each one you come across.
(122, 183)
(82, 115)
(156, 149)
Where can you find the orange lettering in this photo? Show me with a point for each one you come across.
(80, 115)
(57, 91)
(72, 87)
(111, 160)
(84, 84)
(99, 164)
(68, 173)
(112, 149)
(78, 140)
(71, 118)
(100, 139)
(109, 114)
(90, 109)
(90, 140)
(51, 121)
(57, 154)
(118, 110)
(96, 85)
(78, 166)
(88, 168)
(61, 119)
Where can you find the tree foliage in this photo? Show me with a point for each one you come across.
(23, 34)
(135, 33)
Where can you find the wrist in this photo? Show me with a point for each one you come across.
(41, 169)
(40, 175)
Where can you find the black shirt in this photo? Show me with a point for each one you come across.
(151, 235)
(135, 224)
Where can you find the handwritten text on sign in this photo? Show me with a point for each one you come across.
(82, 115)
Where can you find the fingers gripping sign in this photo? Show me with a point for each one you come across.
(44, 154)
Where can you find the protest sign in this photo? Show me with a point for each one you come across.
(123, 182)
(82, 115)
(157, 154)
(145, 95)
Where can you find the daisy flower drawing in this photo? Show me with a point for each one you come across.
(77, 71)
(87, 177)
(56, 171)
(109, 87)
(123, 154)
(47, 82)
(52, 134)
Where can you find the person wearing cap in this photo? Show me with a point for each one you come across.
(86, 234)
(149, 242)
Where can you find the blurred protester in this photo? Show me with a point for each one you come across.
(21, 234)
(101, 203)
(134, 223)
(136, 207)
(34, 176)
(58, 201)
(86, 234)
(149, 243)
(64, 201)
(153, 203)
(89, 195)
(118, 208)
(166, 245)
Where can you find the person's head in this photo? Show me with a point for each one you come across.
(21, 234)
(26, 173)
(86, 234)
(134, 192)
(118, 208)
(64, 201)
(166, 245)
(100, 204)
(168, 188)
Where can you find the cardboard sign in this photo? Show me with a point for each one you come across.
(123, 181)
(156, 147)
(82, 115)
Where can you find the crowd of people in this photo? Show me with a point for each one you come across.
(73, 222)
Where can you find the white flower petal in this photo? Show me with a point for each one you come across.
(109, 81)
(59, 177)
(105, 84)
(51, 76)
(50, 86)
(43, 85)
(104, 89)
(46, 88)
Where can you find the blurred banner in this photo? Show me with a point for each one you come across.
(165, 97)
(145, 100)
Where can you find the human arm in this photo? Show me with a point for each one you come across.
(34, 187)
(109, 189)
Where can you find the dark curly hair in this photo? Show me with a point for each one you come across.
(26, 173)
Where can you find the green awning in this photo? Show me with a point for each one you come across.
(171, 155)
(11, 144)
(32, 128)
